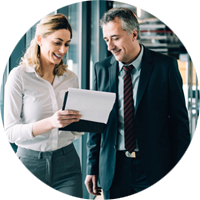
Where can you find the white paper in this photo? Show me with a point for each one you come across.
(92, 105)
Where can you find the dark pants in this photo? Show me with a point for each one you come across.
(59, 169)
(129, 177)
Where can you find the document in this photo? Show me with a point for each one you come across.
(94, 106)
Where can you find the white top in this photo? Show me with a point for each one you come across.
(29, 98)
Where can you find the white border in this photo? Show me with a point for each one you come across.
(18, 16)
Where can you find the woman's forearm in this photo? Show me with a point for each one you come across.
(60, 119)
(42, 126)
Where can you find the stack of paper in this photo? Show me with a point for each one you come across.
(92, 105)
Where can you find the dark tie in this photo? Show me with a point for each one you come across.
(128, 110)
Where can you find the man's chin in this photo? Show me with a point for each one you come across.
(120, 59)
(117, 58)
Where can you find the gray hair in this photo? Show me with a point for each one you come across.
(128, 19)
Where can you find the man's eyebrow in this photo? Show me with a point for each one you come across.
(111, 36)
(114, 35)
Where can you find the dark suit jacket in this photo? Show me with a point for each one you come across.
(161, 119)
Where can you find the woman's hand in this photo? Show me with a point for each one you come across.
(63, 118)
(59, 119)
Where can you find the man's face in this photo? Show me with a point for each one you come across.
(119, 43)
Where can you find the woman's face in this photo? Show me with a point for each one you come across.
(54, 47)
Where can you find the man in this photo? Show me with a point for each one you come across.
(148, 131)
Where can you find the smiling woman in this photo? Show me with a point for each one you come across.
(53, 48)
(48, 27)
(32, 111)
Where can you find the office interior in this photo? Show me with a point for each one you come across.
(88, 47)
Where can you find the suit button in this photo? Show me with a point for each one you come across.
(115, 146)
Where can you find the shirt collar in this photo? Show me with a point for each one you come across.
(136, 63)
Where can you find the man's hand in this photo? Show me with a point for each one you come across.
(91, 185)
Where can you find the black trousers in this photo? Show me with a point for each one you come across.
(60, 169)
(129, 177)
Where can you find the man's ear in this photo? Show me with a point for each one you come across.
(134, 32)
(39, 40)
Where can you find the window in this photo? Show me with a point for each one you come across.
(5, 74)
(74, 54)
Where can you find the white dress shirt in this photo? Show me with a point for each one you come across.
(29, 98)
(135, 76)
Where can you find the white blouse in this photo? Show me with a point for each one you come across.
(29, 98)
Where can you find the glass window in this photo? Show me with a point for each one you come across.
(5, 74)
(74, 54)
(31, 33)
(94, 56)
(98, 46)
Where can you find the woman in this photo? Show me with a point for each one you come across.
(33, 99)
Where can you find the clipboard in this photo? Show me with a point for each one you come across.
(83, 125)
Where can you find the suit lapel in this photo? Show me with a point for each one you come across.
(113, 70)
(146, 69)
(113, 80)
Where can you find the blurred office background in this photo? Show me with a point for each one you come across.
(88, 47)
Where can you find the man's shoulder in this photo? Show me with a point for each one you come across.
(159, 56)
(105, 62)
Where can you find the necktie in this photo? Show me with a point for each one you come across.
(128, 110)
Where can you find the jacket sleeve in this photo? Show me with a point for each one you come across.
(178, 115)
(93, 143)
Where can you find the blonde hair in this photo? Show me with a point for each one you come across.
(47, 25)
